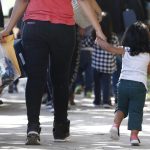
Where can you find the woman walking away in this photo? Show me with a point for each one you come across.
(49, 28)
(133, 79)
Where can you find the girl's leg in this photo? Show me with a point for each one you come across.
(119, 116)
(136, 105)
(121, 110)
(134, 134)
(114, 131)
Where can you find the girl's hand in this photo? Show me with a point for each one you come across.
(110, 48)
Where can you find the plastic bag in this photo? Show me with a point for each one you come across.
(20, 57)
(8, 71)
(10, 52)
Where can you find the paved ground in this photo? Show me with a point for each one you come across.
(89, 127)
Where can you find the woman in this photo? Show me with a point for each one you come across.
(48, 29)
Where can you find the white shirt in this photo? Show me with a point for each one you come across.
(135, 67)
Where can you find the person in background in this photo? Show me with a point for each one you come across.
(103, 64)
(132, 85)
(74, 69)
(84, 81)
(48, 31)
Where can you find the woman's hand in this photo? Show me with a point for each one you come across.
(102, 43)
(18, 11)
(3, 34)
(100, 35)
(90, 13)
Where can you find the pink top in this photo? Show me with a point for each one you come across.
(55, 11)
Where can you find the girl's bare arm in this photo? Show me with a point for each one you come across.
(110, 48)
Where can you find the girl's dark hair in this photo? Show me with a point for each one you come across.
(137, 37)
(106, 25)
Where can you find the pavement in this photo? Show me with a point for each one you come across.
(89, 126)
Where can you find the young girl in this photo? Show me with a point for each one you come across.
(133, 78)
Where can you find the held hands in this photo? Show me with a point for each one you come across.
(110, 48)
(102, 43)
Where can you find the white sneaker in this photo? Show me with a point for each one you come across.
(114, 133)
(107, 106)
(135, 142)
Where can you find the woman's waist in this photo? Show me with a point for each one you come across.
(53, 18)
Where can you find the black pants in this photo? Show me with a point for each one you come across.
(41, 38)
(74, 64)
(1, 20)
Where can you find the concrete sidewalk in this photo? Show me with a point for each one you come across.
(89, 127)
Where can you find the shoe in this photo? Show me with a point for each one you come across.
(61, 131)
(33, 135)
(135, 142)
(107, 106)
(49, 106)
(78, 89)
(96, 103)
(88, 94)
(51, 110)
(1, 102)
(114, 133)
(33, 138)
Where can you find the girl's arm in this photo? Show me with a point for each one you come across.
(110, 48)
(90, 13)
(18, 11)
